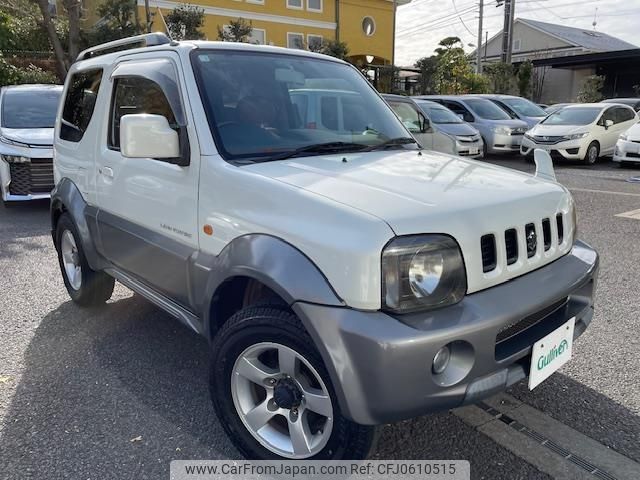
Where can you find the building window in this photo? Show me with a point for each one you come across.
(368, 26)
(314, 42)
(314, 5)
(295, 40)
(295, 4)
(517, 43)
(258, 36)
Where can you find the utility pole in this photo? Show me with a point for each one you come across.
(147, 14)
(479, 46)
(507, 31)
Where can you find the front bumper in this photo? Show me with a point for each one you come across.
(504, 143)
(381, 365)
(627, 151)
(569, 150)
(470, 149)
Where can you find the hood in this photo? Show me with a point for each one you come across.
(431, 193)
(558, 130)
(532, 121)
(507, 123)
(29, 136)
(456, 128)
(634, 132)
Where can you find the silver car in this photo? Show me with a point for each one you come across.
(500, 133)
(519, 108)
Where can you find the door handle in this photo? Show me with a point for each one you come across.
(106, 171)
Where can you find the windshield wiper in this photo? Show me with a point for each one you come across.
(392, 142)
(327, 147)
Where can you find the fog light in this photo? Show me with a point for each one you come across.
(441, 360)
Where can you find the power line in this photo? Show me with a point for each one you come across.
(436, 22)
(460, 18)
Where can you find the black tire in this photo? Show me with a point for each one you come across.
(252, 325)
(590, 158)
(484, 149)
(95, 287)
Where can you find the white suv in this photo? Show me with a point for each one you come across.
(344, 277)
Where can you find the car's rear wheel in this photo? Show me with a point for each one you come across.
(593, 152)
(86, 287)
(273, 394)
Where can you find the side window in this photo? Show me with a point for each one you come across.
(609, 114)
(408, 115)
(136, 95)
(329, 112)
(79, 104)
(624, 115)
(460, 111)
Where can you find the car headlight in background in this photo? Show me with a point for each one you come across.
(421, 272)
(15, 159)
(624, 137)
(577, 136)
(503, 130)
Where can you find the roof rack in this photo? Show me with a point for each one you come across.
(146, 40)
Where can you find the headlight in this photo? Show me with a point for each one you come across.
(421, 272)
(503, 130)
(15, 159)
(528, 135)
(624, 137)
(577, 136)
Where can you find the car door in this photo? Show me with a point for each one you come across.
(626, 118)
(608, 135)
(147, 216)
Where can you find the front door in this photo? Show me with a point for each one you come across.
(148, 207)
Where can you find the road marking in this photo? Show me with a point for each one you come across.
(589, 190)
(551, 446)
(634, 214)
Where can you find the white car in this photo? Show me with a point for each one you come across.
(583, 132)
(628, 146)
(344, 277)
(27, 117)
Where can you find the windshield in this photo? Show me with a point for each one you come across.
(439, 115)
(30, 108)
(573, 116)
(486, 109)
(524, 107)
(261, 105)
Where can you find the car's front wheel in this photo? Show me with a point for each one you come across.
(273, 394)
(593, 152)
(86, 287)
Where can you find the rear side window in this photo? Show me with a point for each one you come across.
(624, 115)
(133, 95)
(79, 104)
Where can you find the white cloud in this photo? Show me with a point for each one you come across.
(423, 23)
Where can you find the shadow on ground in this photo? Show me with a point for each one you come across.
(120, 391)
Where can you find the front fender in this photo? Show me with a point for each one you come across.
(265, 258)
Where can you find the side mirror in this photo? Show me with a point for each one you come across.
(426, 124)
(148, 136)
(461, 117)
(608, 123)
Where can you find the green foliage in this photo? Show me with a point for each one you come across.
(500, 76)
(453, 68)
(476, 83)
(20, 29)
(12, 75)
(185, 21)
(332, 48)
(524, 77)
(428, 67)
(591, 90)
(238, 31)
(118, 20)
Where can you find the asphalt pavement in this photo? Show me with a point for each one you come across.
(121, 391)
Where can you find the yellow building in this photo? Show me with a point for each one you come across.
(366, 26)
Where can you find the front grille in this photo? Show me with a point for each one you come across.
(489, 256)
(35, 177)
(470, 139)
(547, 140)
(513, 241)
(515, 328)
(633, 155)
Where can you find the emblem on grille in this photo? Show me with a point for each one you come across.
(532, 243)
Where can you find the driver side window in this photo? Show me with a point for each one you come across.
(408, 116)
(609, 114)
(136, 95)
(460, 111)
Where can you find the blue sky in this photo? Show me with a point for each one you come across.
(423, 23)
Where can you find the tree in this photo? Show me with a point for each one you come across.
(428, 67)
(453, 68)
(333, 48)
(500, 76)
(475, 83)
(591, 90)
(119, 20)
(185, 21)
(525, 74)
(238, 31)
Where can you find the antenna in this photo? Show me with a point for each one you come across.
(595, 20)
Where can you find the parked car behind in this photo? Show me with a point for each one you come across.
(632, 102)
(518, 108)
(27, 117)
(580, 132)
(448, 134)
(500, 133)
(555, 107)
(628, 146)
